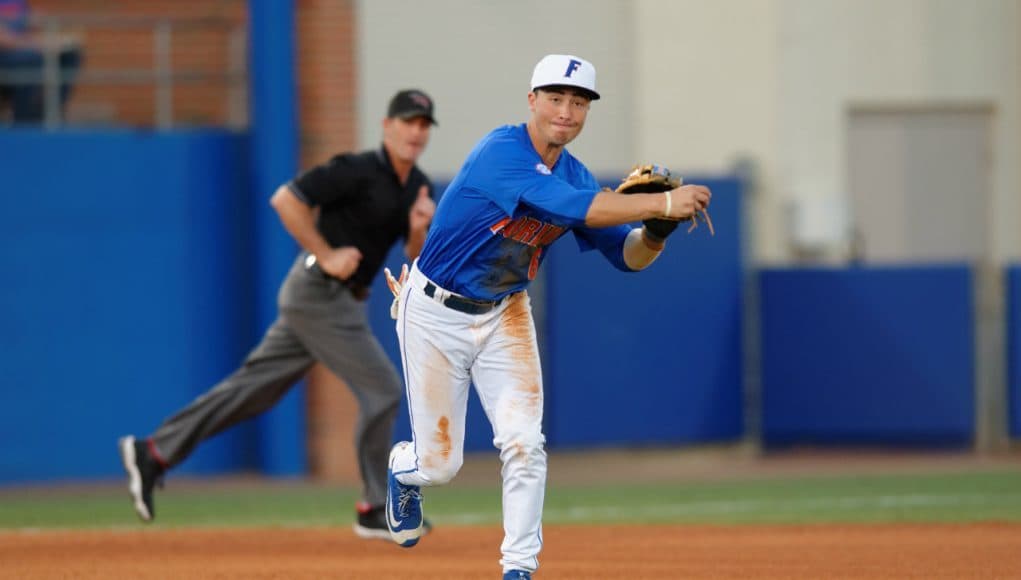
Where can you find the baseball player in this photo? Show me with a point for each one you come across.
(346, 214)
(464, 314)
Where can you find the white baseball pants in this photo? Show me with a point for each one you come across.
(443, 351)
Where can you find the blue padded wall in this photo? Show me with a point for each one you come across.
(124, 256)
(868, 356)
(652, 357)
(274, 161)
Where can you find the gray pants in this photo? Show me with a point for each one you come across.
(319, 320)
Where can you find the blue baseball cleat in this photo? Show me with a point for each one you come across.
(403, 506)
(517, 575)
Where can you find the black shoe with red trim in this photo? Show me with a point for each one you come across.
(144, 473)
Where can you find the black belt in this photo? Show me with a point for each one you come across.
(461, 304)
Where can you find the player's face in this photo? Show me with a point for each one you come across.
(406, 138)
(559, 114)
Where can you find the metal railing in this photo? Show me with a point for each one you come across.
(161, 74)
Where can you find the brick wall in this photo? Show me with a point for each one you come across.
(110, 45)
(326, 79)
(326, 74)
(326, 91)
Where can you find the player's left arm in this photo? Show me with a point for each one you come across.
(640, 251)
(623, 246)
(628, 249)
(419, 218)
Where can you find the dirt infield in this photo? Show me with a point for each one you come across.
(625, 552)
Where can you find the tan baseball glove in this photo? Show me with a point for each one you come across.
(650, 178)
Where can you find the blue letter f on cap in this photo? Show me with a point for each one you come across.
(571, 67)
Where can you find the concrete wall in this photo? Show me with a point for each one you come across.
(476, 60)
(690, 84)
(839, 53)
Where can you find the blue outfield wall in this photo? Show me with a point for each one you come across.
(652, 357)
(1014, 348)
(126, 258)
(868, 356)
(131, 259)
(273, 161)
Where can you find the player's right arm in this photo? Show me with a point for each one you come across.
(609, 208)
(299, 219)
(506, 172)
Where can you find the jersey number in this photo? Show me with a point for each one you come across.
(533, 265)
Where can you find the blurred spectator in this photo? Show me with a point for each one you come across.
(23, 52)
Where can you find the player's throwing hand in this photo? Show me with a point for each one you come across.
(687, 200)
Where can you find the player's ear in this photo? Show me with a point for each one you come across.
(531, 101)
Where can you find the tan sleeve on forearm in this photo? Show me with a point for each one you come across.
(637, 255)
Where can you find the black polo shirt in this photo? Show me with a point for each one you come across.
(362, 204)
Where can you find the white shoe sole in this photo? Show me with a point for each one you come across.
(371, 533)
(127, 448)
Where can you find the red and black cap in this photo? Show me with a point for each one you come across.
(411, 103)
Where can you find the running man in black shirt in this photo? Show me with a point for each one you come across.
(346, 214)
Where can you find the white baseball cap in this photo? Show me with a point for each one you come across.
(565, 70)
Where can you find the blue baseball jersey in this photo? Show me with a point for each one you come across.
(502, 210)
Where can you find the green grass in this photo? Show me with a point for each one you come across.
(931, 498)
(958, 497)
